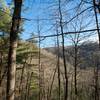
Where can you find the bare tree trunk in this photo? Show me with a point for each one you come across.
(22, 74)
(58, 65)
(96, 72)
(26, 89)
(71, 90)
(12, 50)
(96, 19)
(39, 62)
(63, 50)
(75, 66)
(29, 86)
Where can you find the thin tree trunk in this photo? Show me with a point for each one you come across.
(39, 62)
(71, 90)
(58, 65)
(29, 86)
(96, 19)
(12, 50)
(75, 75)
(22, 74)
(26, 89)
(96, 73)
(63, 51)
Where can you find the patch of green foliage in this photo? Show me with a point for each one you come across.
(26, 50)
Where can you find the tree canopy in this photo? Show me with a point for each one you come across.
(5, 17)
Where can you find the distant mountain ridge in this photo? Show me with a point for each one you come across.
(86, 50)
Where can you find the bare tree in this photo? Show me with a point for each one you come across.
(98, 32)
(63, 50)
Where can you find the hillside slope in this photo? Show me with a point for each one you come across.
(85, 52)
(32, 77)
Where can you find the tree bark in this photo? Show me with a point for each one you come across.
(12, 50)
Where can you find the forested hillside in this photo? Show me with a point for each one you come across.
(27, 71)
(86, 51)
